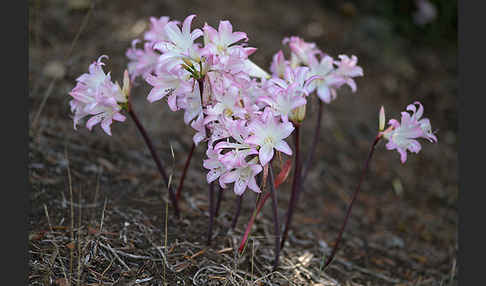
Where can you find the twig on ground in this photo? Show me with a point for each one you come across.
(364, 270)
(72, 209)
(79, 240)
(108, 247)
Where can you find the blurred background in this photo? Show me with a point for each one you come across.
(404, 223)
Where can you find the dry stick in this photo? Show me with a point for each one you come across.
(355, 195)
(308, 162)
(295, 186)
(183, 177)
(79, 239)
(239, 200)
(148, 142)
(72, 212)
(165, 236)
(275, 216)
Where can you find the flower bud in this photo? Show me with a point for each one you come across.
(297, 114)
(382, 120)
(126, 84)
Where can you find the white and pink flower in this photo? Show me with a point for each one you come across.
(402, 136)
(96, 95)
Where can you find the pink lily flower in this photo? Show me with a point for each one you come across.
(218, 42)
(95, 94)
(174, 83)
(287, 93)
(268, 133)
(191, 103)
(142, 62)
(279, 65)
(326, 80)
(156, 32)
(348, 69)
(198, 125)
(401, 136)
(302, 51)
(216, 168)
(243, 177)
(179, 43)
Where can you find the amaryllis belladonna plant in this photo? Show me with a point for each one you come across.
(242, 114)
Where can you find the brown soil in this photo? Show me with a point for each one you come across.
(403, 229)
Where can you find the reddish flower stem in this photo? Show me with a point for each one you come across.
(219, 198)
(211, 212)
(183, 177)
(257, 210)
(355, 195)
(239, 200)
(272, 193)
(295, 186)
(310, 156)
(275, 217)
(162, 172)
(211, 185)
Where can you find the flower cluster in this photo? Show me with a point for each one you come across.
(402, 136)
(97, 96)
(244, 113)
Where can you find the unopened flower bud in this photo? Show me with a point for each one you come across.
(126, 84)
(297, 114)
(382, 119)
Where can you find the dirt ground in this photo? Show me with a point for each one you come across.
(403, 229)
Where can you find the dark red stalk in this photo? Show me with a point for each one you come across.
(257, 210)
(211, 212)
(275, 216)
(211, 185)
(156, 159)
(186, 166)
(308, 161)
(355, 195)
(295, 186)
(239, 200)
(218, 201)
